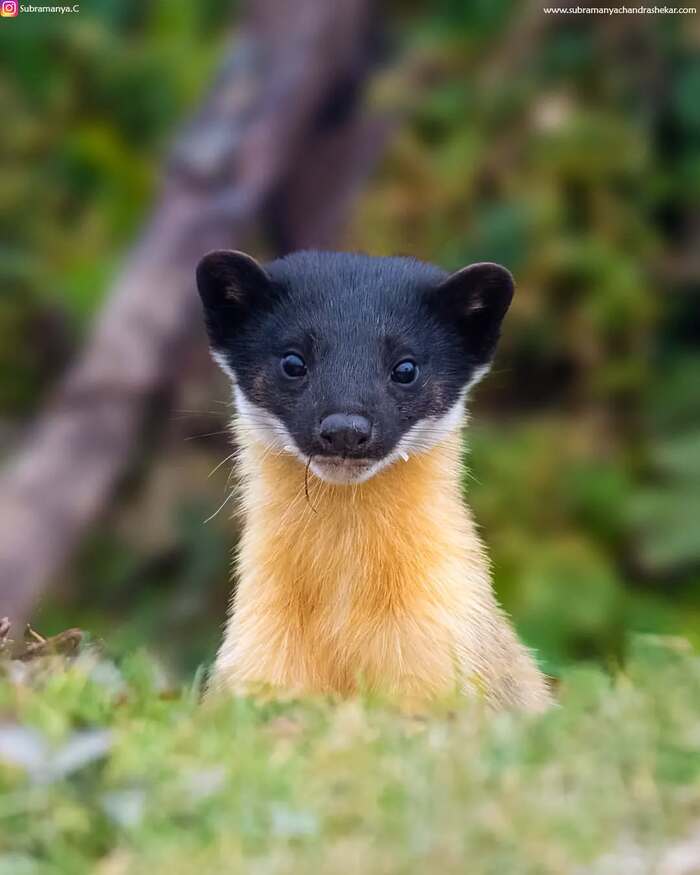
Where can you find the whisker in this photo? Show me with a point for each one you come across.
(194, 437)
(221, 507)
(185, 412)
(222, 462)
(306, 484)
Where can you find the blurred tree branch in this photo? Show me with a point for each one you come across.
(280, 139)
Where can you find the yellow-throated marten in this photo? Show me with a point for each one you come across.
(359, 565)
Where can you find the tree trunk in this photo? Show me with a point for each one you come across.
(256, 149)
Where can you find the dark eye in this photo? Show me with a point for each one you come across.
(405, 372)
(293, 365)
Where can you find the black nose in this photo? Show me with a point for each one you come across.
(345, 433)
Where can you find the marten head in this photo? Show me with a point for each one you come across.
(351, 362)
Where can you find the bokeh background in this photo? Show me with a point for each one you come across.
(565, 147)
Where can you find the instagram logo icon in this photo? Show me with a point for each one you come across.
(9, 8)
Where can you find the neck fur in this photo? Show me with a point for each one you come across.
(384, 535)
(383, 585)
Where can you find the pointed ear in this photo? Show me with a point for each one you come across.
(475, 300)
(231, 285)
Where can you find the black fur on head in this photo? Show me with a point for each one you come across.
(349, 359)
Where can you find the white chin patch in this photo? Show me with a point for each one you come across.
(265, 426)
(344, 471)
(420, 438)
(432, 430)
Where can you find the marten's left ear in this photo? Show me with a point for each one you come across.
(232, 285)
(475, 300)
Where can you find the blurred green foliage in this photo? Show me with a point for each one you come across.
(105, 768)
(567, 148)
(89, 102)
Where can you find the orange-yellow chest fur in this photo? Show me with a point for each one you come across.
(381, 585)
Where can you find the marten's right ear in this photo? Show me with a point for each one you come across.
(231, 285)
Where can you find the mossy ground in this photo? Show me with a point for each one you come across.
(104, 768)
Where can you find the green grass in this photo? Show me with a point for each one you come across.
(104, 769)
